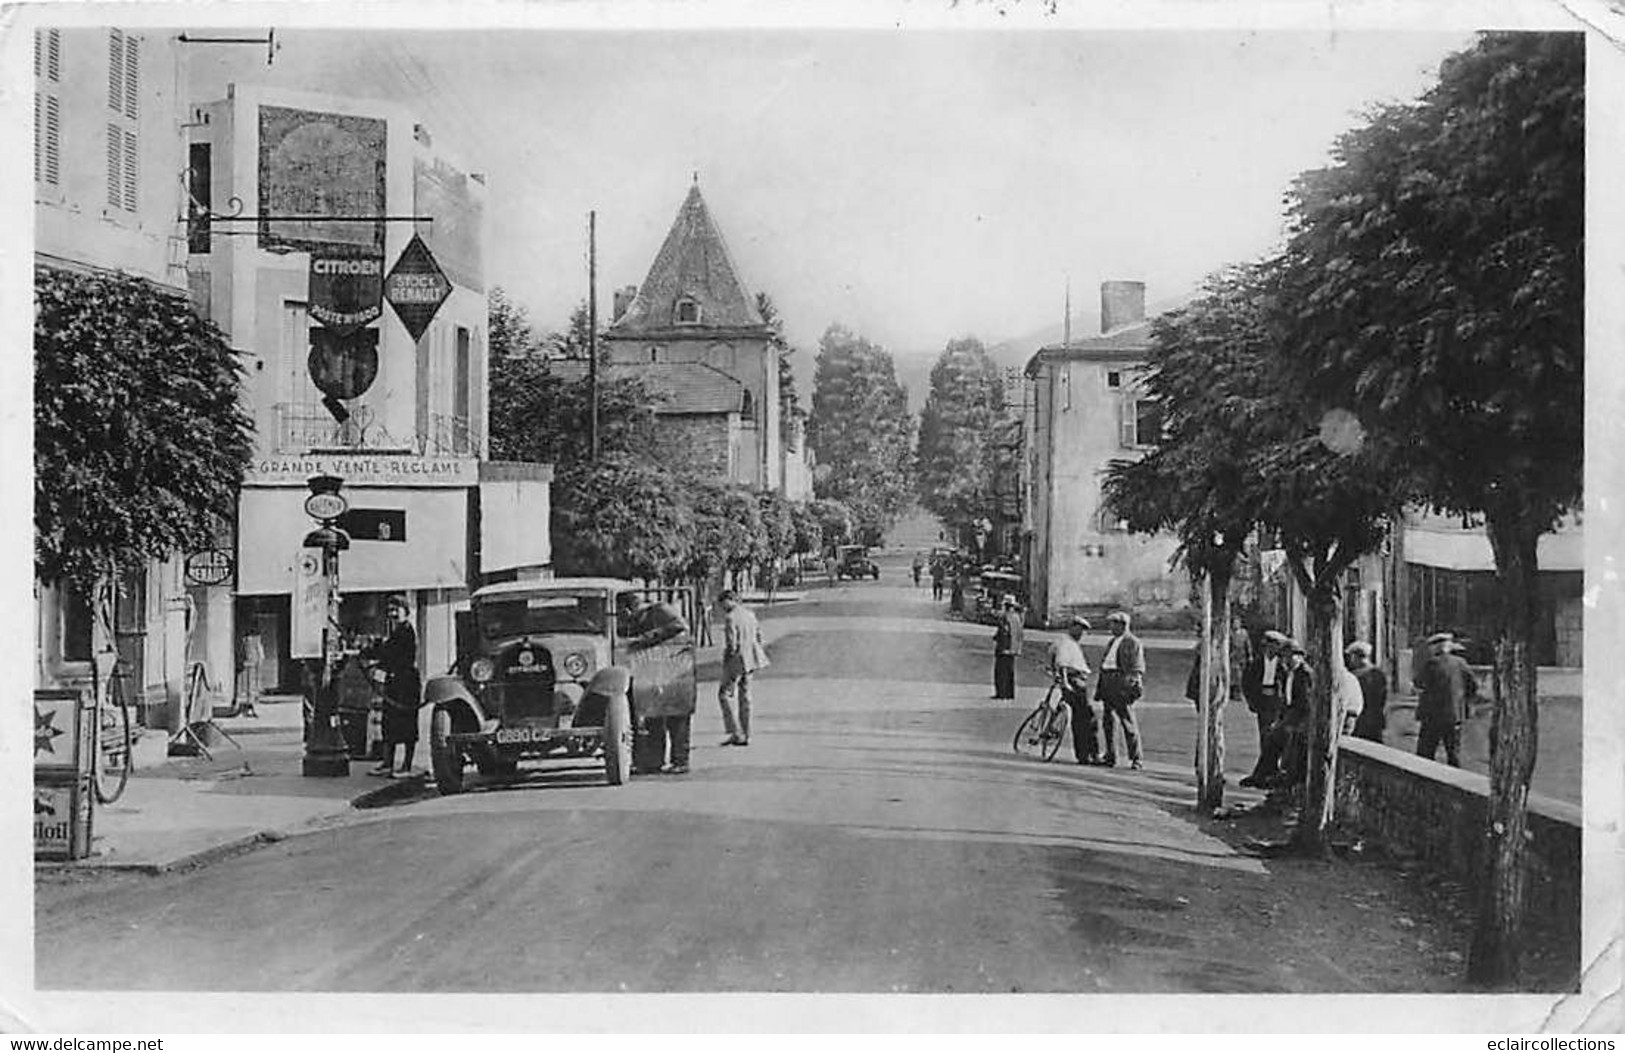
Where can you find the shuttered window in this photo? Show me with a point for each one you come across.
(123, 131)
(47, 106)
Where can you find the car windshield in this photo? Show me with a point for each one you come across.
(535, 615)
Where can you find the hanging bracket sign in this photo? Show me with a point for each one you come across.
(416, 287)
(346, 290)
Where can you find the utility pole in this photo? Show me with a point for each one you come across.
(592, 327)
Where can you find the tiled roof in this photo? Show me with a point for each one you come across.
(693, 263)
(683, 387)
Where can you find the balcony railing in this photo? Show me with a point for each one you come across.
(303, 426)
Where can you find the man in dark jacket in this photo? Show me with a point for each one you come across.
(396, 656)
(1261, 686)
(1446, 687)
(1007, 642)
(1119, 686)
(1373, 691)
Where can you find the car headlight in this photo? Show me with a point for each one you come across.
(482, 670)
(576, 664)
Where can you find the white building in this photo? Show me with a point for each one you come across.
(411, 445)
(107, 147)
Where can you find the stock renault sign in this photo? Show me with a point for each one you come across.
(416, 287)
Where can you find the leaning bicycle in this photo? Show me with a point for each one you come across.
(1042, 733)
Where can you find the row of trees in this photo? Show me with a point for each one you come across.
(957, 454)
(1417, 342)
(862, 432)
(640, 510)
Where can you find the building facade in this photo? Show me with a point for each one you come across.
(107, 147)
(1085, 406)
(410, 443)
(693, 309)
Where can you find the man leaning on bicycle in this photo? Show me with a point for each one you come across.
(1071, 672)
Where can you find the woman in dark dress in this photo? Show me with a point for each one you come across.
(397, 658)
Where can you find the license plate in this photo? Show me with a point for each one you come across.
(519, 736)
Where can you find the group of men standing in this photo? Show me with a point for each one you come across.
(1119, 684)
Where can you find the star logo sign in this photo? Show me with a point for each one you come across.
(45, 731)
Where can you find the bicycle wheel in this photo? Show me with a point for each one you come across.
(1029, 741)
(1058, 725)
(116, 721)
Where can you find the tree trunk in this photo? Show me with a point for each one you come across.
(1217, 683)
(1320, 782)
(1493, 958)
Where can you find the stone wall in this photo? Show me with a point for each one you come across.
(1438, 813)
(700, 441)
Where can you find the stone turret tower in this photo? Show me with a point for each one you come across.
(693, 307)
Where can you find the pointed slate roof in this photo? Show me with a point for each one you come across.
(694, 263)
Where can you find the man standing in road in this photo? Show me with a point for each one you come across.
(1446, 687)
(1121, 682)
(1373, 688)
(1261, 686)
(1069, 666)
(917, 566)
(939, 571)
(743, 653)
(1007, 641)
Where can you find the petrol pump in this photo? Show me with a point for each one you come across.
(317, 592)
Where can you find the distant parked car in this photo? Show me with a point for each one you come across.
(852, 561)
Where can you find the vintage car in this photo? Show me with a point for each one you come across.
(559, 668)
(852, 561)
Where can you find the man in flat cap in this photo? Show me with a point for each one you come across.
(1261, 686)
(1007, 644)
(1121, 682)
(1373, 690)
(1445, 689)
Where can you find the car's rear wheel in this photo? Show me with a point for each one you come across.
(617, 741)
(444, 758)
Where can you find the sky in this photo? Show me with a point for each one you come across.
(915, 186)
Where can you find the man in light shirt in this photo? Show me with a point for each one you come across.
(743, 653)
(1072, 669)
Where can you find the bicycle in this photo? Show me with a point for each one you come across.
(1042, 733)
(113, 756)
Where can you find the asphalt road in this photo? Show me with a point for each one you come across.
(879, 835)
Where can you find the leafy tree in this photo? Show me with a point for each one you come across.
(140, 440)
(835, 525)
(1437, 270)
(789, 400)
(956, 455)
(778, 526)
(1209, 373)
(575, 342)
(537, 415)
(511, 334)
(620, 516)
(727, 531)
(860, 429)
(808, 535)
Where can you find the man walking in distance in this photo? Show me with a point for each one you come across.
(1007, 641)
(1374, 688)
(1069, 666)
(743, 653)
(1121, 681)
(1261, 687)
(1446, 686)
(939, 571)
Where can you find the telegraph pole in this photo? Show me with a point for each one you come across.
(592, 327)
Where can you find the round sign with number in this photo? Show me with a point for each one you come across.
(211, 566)
(325, 506)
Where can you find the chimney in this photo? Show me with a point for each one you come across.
(1121, 303)
(623, 299)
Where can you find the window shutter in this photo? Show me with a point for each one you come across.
(132, 76)
(53, 55)
(39, 52)
(39, 123)
(53, 139)
(115, 70)
(115, 165)
(132, 155)
(1125, 422)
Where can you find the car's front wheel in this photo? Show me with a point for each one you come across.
(617, 741)
(444, 758)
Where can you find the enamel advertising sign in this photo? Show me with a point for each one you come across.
(346, 289)
(416, 287)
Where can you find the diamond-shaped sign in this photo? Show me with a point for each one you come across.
(416, 287)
